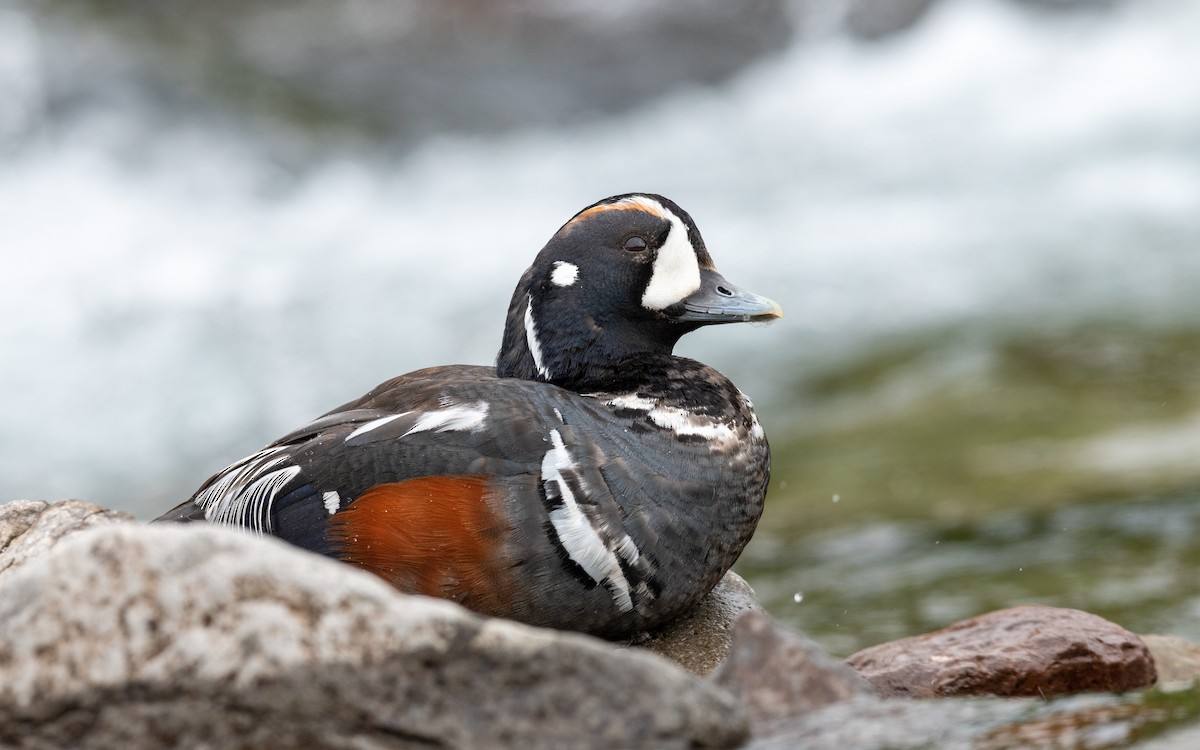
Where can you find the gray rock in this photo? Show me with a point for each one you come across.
(700, 640)
(29, 528)
(157, 637)
(779, 674)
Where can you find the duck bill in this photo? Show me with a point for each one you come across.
(718, 301)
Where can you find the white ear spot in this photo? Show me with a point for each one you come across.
(564, 273)
(676, 272)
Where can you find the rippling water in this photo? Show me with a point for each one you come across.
(1132, 561)
(171, 298)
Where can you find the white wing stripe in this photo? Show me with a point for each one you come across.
(260, 494)
(452, 418)
(373, 424)
(575, 531)
(213, 498)
(244, 493)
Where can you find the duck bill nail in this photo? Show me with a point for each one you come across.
(718, 301)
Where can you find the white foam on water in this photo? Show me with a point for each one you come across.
(164, 316)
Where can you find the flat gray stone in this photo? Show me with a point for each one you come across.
(164, 637)
(700, 640)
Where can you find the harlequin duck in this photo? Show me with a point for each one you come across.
(590, 481)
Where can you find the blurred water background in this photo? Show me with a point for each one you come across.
(982, 218)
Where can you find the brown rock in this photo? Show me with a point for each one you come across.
(1022, 651)
(700, 640)
(1176, 659)
(29, 528)
(779, 674)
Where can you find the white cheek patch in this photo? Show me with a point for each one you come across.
(564, 273)
(676, 273)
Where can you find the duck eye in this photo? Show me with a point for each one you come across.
(635, 244)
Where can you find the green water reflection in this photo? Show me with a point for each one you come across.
(1135, 562)
(942, 477)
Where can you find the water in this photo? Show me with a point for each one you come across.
(172, 298)
(1132, 561)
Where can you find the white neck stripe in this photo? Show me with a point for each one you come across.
(535, 347)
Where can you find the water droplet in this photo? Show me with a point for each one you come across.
(798, 597)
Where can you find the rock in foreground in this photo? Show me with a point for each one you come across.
(29, 528)
(1021, 651)
(155, 637)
